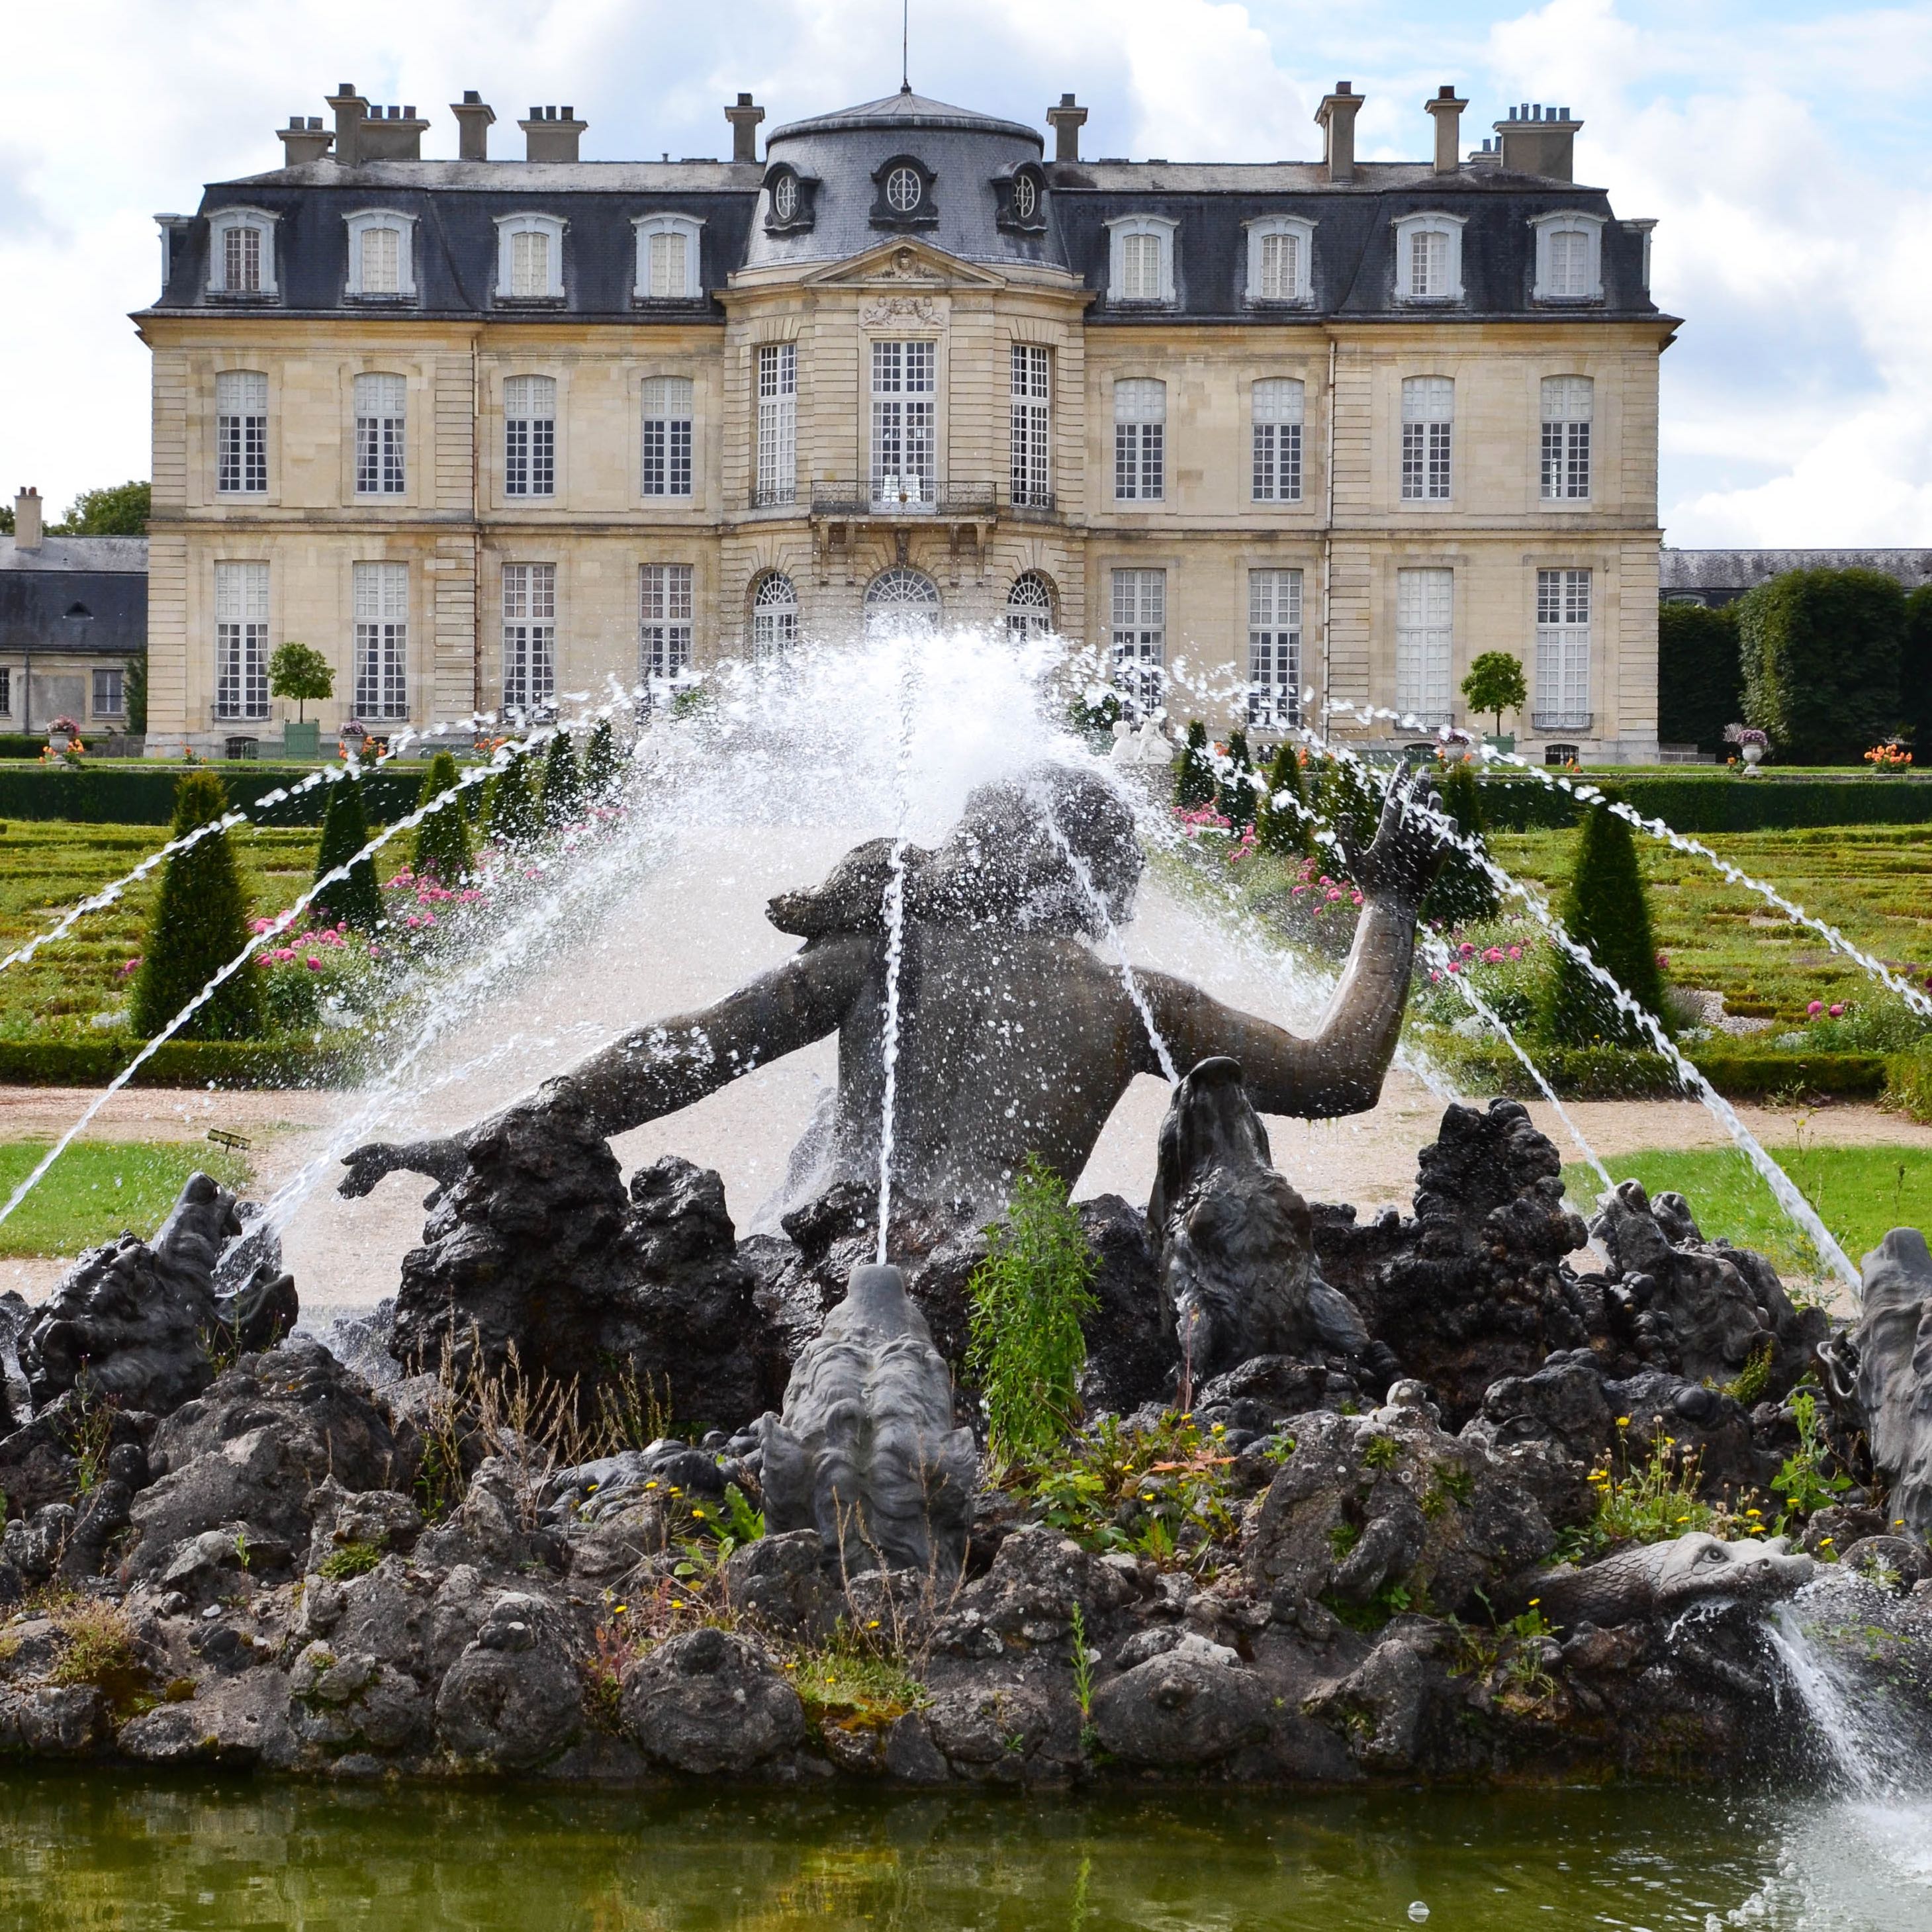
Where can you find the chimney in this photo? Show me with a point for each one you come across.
(1446, 111)
(1336, 117)
(303, 140)
(350, 109)
(744, 119)
(474, 120)
(550, 136)
(27, 519)
(1539, 140)
(1066, 121)
(391, 134)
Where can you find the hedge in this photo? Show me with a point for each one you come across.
(178, 1063)
(1718, 802)
(1614, 1073)
(143, 793)
(1756, 1076)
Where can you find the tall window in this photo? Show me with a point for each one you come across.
(1569, 260)
(1140, 265)
(530, 257)
(242, 261)
(1029, 607)
(529, 436)
(381, 640)
(1140, 636)
(241, 252)
(774, 616)
(664, 635)
(1032, 403)
(1424, 642)
(668, 416)
(529, 262)
(382, 265)
(904, 455)
(6, 691)
(241, 640)
(109, 693)
(1428, 428)
(1568, 404)
(379, 435)
(241, 432)
(778, 422)
(530, 635)
(1277, 440)
(1562, 700)
(1279, 247)
(1274, 647)
(1140, 429)
(1428, 263)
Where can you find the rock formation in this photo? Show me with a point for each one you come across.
(1657, 1580)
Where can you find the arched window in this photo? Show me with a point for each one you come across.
(1140, 258)
(1569, 257)
(667, 257)
(381, 260)
(774, 616)
(241, 252)
(1029, 607)
(1428, 258)
(1279, 247)
(530, 257)
(901, 599)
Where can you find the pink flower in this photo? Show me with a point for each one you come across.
(314, 964)
(1434, 978)
(1293, 889)
(133, 966)
(1453, 967)
(261, 925)
(1664, 961)
(1837, 1012)
(1468, 949)
(1492, 956)
(1334, 893)
(1516, 953)
(1816, 1007)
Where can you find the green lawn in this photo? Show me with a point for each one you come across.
(1859, 1193)
(98, 1189)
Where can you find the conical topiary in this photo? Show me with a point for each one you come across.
(1194, 785)
(603, 763)
(513, 812)
(441, 850)
(1462, 890)
(1607, 910)
(1350, 805)
(1282, 827)
(562, 793)
(1239, 785)
(200, 923)
(345, 831)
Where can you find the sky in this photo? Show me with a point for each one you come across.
(1783, 149)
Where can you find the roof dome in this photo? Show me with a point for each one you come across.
(906, 109)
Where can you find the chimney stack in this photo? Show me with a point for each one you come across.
(27, 519)
(744, 119)
(1446, 111)
(1539, 140)
(474, 119)
(1066, 121)
(391, 134)
(303, 140)
(1336, 117)
(350, 110)
(550, 136)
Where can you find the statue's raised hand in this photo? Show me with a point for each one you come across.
(1408, 847)
(442, 1160)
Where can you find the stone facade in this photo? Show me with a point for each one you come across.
(904, 242)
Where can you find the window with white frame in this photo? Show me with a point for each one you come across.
(380, 402)
(1139, 636)
(1424, 643)
(774, 615)
(1274, 648)
(668, 257)
(778, 422)
(1568, 403)
(1030, 416)
(1428, 258)
(904, 445)
(381, 640)
(109, 693)
(530, 257)
(530, 635)
(1562, 699)
(382, 254)
(1280, 249)
(241, 252)
(1277, 406)
(666, 435)
(240, 432)
(1029, 607)
(1141, 259)
(1428, 435)
(6, 691)
(529, 436)
(1569, 257)
(241, 640)
(664, 635)
(1140, 432)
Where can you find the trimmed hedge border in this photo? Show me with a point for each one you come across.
(178, 1063)
(1718, 803)
(140, 792)
(1611, 1073)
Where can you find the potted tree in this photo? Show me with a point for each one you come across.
(1495, 684)
(300, 672)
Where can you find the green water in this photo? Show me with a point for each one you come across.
(99, 1850)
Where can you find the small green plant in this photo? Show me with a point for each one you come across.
(1282, 826)
(513, 811)
(100, 1649)
(1802, 1483)
(1194, 784)
(1754, 1377)
(850, 1683)
(1495, 684)
(301, 672)
(1239, 788)
(441, 850)
(90, 1436)
(1083, 1671)
(1606, 911)
(1383, 1452)
(603, 763)
(351, 1560)
(1463, 892)
(345, 831)
(563, 792)
(1653, 1502)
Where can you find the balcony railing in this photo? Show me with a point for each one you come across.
(1033, 503)
(1560, 720)
(903, 496)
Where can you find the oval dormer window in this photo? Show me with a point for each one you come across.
(1026, 197)
(785, 198)
(903, 190)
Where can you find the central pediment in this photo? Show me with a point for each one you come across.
(903, 263)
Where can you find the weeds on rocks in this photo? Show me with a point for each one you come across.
(1655, 1501)
(100, 1651)
(1802, 1483)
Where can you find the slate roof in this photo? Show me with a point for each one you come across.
(1714, 572)
(42, 592)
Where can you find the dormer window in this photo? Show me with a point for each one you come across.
(241, 252)
(789, 196)
(1280, 247)
(382, 254)
(1019, 197)
(1569, 258)
(1141, 260)
(905, 184)
(668, 257)
(784, 199)
(529, 258)
(1428, 258)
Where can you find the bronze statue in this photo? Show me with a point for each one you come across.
(1015, 1036)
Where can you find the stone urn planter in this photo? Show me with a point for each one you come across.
(1752, 756)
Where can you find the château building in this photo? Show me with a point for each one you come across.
(484, 430)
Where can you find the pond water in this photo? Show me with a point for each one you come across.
(102, 1850)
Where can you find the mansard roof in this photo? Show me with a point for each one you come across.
(908, 110)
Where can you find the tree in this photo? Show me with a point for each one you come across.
(1915, 680)
(441, 850)
(562, 793)
(1282, 827)
(1194, 787)
(134, 693)
(121, 510)
(1820, 651)
(513, 812)
(345, 831)
(1607, 911)
(300, 672)
(603, 763)
(1238, 787)
(200, 923)
(1462, 890)
(1699, 685)
(1495, 685)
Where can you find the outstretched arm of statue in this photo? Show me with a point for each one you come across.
(665, 1066)
(1339, 1068)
